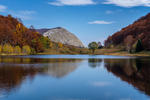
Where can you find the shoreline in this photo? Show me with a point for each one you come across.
(107, 54)
(104, 51)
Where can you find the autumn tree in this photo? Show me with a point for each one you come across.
(51, 44)
(12, 31)
(93, 46)
(60, 45)
(20, 28)
(37, 45)
(7, 48)
(26, 49)
(17, 50)
(20, 33)
(33, 51)
(129, 41)
(0, 49)
(45, 41)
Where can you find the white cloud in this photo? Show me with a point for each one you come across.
(125, 99)
(24, 15)
(27, 12)
(128, 3)
(101, 84)
(2, 8)
(109, 12)
(100, 22)
(72, 2)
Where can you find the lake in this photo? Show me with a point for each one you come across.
(74, 77)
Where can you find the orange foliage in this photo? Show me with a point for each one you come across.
(16, 34)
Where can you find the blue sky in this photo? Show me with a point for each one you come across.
(90, 20)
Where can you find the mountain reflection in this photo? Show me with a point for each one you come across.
(133, 71)
(13, 71)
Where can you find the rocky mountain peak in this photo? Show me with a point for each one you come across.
(62, 35)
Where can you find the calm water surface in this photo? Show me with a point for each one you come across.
(74, 77)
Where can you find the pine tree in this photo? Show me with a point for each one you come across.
(139, 46)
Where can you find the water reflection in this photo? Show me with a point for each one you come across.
(21, 76)
(133, 71)
(13, 71)
(94, 62)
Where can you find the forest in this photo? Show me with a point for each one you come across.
(131, 36)
(15, 37)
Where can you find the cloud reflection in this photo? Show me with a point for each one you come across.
(101, 84)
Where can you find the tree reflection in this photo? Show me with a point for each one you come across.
(94, 62)
(133, 71)
(13, 71)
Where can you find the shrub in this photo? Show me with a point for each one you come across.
(17, 50)
(26, 49)
(33, 51)
(7, 48)
(45, 42)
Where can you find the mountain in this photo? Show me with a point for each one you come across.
(139, 30)
(62, 35)
(41, 31)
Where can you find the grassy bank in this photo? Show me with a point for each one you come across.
(119, 52)
(85, 51)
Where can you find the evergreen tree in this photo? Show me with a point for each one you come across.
(139, 46)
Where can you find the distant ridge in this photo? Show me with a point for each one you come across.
(43, 30)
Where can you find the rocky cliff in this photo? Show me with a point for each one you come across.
(60, 34)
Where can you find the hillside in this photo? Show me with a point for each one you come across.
(62, 35)
(16, 39)
(15, 33)
(128, 36)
